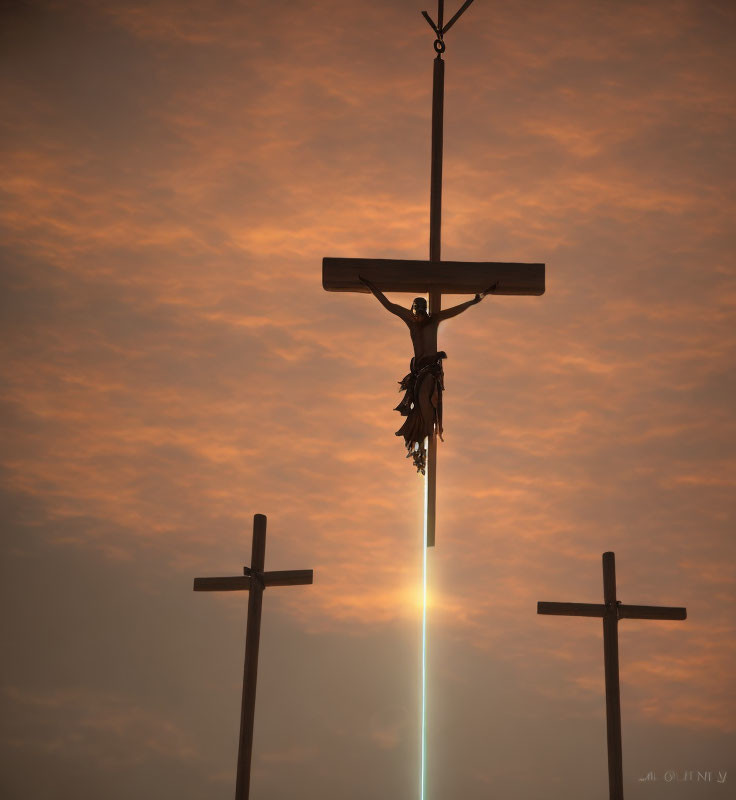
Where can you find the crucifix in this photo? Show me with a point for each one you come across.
(423, 386)
(254, 580)
(611, 610)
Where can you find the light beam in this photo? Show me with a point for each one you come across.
(424, 633)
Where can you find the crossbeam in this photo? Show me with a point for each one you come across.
(255, 581)
(651, 612)
(238, 583)
(611, 611)
(422, 277)
(572, 609)
(289, 577)
(623, 612)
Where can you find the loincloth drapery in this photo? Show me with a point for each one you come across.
(421, 405)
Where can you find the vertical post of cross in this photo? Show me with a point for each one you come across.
(435, 198)
(435, 254)
(250, 669)
(254, 580)
(613, 691)
(611, 611)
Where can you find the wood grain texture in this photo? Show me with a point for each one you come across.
(419, 277)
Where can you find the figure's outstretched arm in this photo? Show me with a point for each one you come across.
(394, 308)
(458, 309)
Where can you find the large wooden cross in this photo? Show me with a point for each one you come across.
(612, 611)
(434, 277)
(254, 580)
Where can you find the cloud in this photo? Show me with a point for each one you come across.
(174, 175)
(93, 725)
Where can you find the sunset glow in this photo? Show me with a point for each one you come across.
(173, 174)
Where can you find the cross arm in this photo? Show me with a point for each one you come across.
(288, 577)
(624, 612)
(651, 612)
(572, 609)
(234, 584)
(447, 277)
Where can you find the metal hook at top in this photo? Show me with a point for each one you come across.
(439, 44)
(440, 29)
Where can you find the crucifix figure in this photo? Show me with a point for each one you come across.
(435, 278)
(611, 612)
(424, 383)
(254, 580)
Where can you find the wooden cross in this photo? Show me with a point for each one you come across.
(254, 580)
(612, 611)
(434, 277)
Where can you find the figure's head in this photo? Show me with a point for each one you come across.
(419, 306)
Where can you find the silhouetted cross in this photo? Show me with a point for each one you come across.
(612, 611)
(435, 277)
(255, 580)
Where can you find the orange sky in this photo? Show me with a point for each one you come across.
(174, 173)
